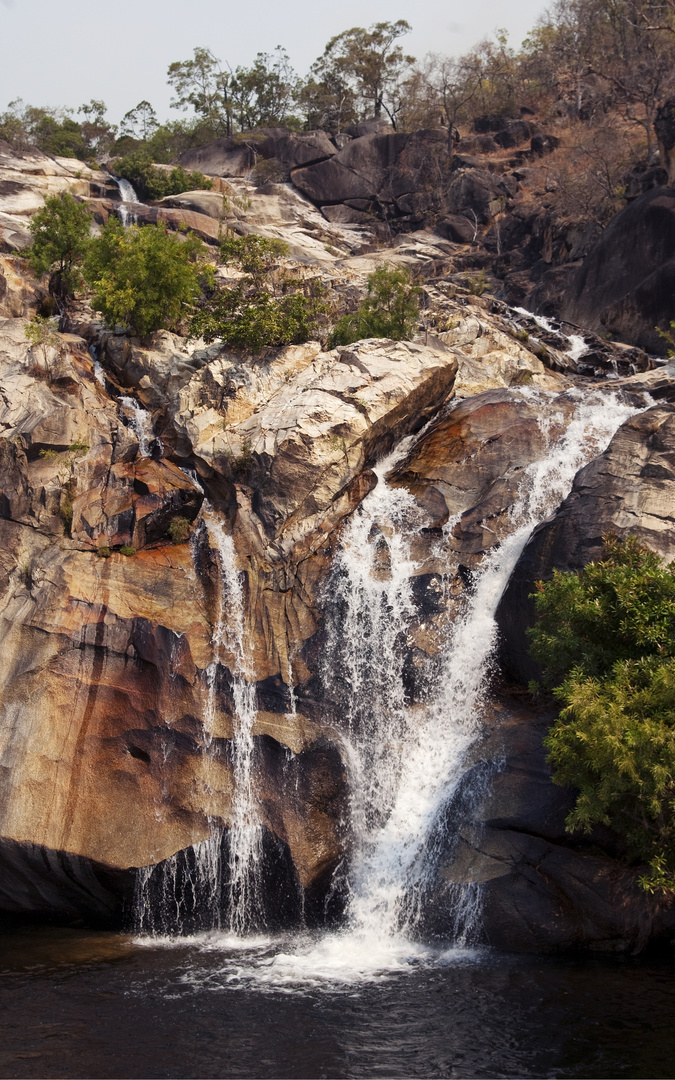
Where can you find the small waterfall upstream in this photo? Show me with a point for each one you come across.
(128, 196)
(405, 762)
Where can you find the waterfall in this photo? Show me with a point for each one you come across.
(141, 424)
(185, 892)
(128, 196)
(405, 764)
(245, 845)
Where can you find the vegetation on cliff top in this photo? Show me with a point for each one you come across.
(605, 638)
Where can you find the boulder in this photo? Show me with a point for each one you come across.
(237, 154)
(457, 228)
(625, 284)
(377, 166)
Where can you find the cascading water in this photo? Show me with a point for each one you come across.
(141, 423)
(405, 763)
(129, 198)
(160, 902)
(245, 841)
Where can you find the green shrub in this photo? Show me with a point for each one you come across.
(104, 552)
(144, 278)
(152, 183)
(389, 310)
(127, 549)
(179, 530)
(605, 637)
(266, 307)
(477, 285)
(61, 239)
(66, 512)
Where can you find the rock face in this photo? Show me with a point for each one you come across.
(628, 490)
(625, 284)
(171, 524)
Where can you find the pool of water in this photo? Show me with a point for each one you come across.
(76, 1003)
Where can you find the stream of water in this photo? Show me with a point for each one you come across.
(405, 763)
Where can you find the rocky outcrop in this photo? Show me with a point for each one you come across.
(624, 287)
(628, 490)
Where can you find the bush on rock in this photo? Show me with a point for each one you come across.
(390, 310)
(267, 306)
(605, 637)
(153, 183)
(61, 238)
(144, 279)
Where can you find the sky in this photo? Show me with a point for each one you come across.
(65, 52)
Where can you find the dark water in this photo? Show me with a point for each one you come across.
(87, 1004)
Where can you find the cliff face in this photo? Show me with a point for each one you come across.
(121, 672)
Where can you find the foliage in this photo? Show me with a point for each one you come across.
(606, 639)
(54, 131)
(179, 530)
(260, 95)
(390, 310)
(41, 332)
(61, 238)
(478, 284)
(104, 552)
(127, 550)
(254, 255)
(267, 306)
(366, 66)
(144, 279)
(153, 183)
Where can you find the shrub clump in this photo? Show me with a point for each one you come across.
(267, 306)
(179, 530)
(389, 310)
(61, 237)
(153, 183)
(144, 278)
(127, 550)
(605, 638)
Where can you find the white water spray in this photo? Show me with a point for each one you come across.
(141, 424)
(245, 829)
(128, 197)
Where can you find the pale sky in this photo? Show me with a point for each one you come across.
(64, 52)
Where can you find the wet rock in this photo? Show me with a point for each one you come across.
(628, 490)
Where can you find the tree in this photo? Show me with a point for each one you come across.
(390, 310)
(144, 279)
(369, 63)
(203, 84)
(605, 636)
(140, 123)
(97, 133)
(61, 238)
(267, 307)
(41, 332)
(264, 94)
